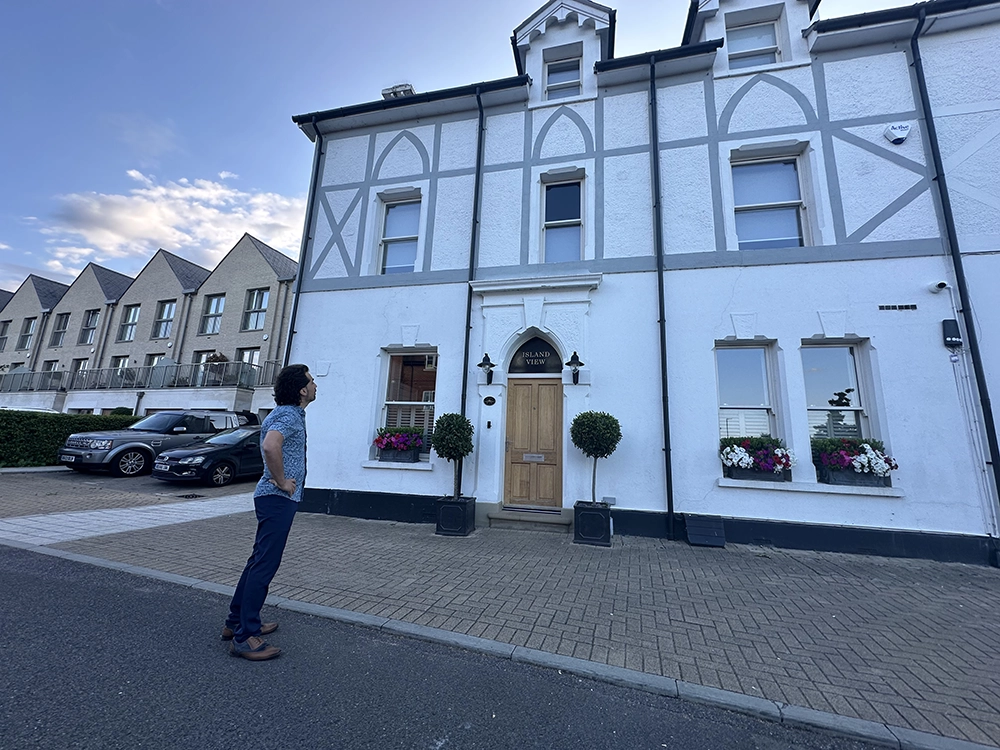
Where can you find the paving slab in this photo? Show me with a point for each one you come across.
(841, 642)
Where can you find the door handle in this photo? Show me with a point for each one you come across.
(506, 448)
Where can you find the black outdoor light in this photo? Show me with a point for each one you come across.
(487, 367)
(575, 364)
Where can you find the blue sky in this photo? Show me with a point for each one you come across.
(130, 125)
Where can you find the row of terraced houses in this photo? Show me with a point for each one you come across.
(176, 336)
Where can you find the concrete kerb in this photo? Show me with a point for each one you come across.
(32, 469)
(875, 733)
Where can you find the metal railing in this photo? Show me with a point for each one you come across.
(204, 375)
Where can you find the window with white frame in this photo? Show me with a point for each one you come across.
(211, 317)
(154, 359)
(768, 203)
(744, 391)
(409, 398)
(563, 230)
(754, 44)
(400, 232)
(833, 398)
(119, 362)
(4, 328)
(59, 330)
(255, 310)
(89, 327)
(562, 79)
(50, 365)
(165, 310)
(248, 356)
(130, 317)
(27, 333)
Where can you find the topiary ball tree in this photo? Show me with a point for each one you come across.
(452, 440)
(597, 434)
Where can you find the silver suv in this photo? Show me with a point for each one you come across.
(131, 451)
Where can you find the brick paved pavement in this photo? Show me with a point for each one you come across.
(908, 643)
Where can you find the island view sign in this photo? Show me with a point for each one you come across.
(536, 356)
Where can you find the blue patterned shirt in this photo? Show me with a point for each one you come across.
(290, 421)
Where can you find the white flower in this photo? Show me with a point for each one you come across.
(783, 453)
(735, 455)
(872, 461)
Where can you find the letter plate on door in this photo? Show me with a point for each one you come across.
(533, 458)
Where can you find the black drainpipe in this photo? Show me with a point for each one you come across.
(473, 245)
(305, 241)
(956, 257)
(654, 136)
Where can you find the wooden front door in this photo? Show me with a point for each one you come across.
(533, 459)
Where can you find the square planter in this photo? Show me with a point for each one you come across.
(735, 472)
(851, 478)
(592, 523)
(455, 517)
(400, 457)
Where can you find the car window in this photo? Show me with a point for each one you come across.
(156, 423)
(232, 437)
(195, 424)
(219, 421)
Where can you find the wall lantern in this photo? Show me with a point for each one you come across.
(487, 367)
(575, 364)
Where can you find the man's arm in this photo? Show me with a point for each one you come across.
(271, 449)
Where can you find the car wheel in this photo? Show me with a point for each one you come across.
(222, 474)
(131, 463)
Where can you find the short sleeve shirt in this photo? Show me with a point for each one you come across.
(290, 421)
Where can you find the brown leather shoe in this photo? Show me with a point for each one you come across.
(265, 629)
(254, 649)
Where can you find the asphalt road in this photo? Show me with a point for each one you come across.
(96, 658)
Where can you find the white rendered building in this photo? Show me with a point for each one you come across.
(725, 234)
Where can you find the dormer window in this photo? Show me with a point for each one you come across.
(562, 79)
(752, 45)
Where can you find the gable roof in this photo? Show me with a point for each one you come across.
(283, 266)
(5, 297)
(49, 292)
(190, 275)
(112, 283)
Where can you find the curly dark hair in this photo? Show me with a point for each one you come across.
(289, 382)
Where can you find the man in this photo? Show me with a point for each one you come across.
(283, 446)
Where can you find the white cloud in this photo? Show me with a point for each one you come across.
(225, 175)
(4, 247)
(198, 219)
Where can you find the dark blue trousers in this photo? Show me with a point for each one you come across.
(274, 520)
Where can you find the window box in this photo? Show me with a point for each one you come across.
(400, 457)
(735, 472)
(851, 478)
(759, 458)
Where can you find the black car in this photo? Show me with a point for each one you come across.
(218, 460)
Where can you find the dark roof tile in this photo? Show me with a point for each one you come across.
(113, 284)
(49, 292)
(190, 275)
(283, 266)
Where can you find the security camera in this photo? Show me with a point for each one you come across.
(938, 286)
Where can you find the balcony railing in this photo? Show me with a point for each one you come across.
(206, 375)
